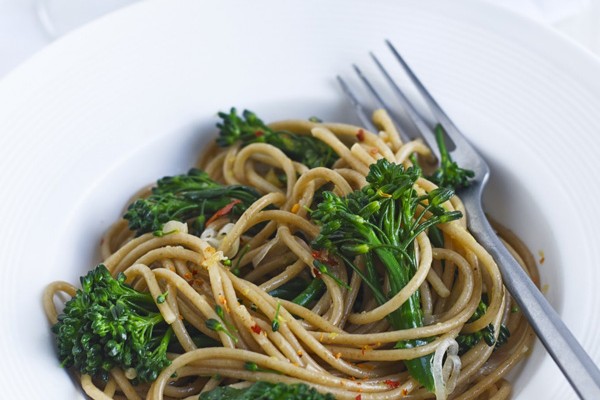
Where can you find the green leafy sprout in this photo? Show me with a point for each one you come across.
(380, 224)
(221, 313)
(193, 197)
(449, 174)
(248, 128)
(218, 326)
(275, 322)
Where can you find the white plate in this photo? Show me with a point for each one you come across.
(132, 97)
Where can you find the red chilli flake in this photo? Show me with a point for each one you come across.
(317, 273)
(323, 257)
(256, 329)
(223, 211)
(392, 384)
(358, 397)
(259, 133)
(404, 392)
(360, 135)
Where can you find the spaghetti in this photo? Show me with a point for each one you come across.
(341, 342)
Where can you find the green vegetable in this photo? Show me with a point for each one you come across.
(313, 291)
(290, 289)
(380, 223)
(249, 129)
(189, 197)
(320, 268)
(253, 367)
(267, 391)
(200, 340)
(108, 324)
(275, 322)
(161, 298)
(241, 254)
(449, 174)
(221, 313)
(467, 341)
(217, 326)
(299, 291)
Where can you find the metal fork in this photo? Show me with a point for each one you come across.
(564, 348)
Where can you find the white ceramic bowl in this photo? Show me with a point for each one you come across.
(133, 97)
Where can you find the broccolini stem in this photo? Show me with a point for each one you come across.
(275, 322)
(217, 326)
(314, 290)
(408, 316)
(380, 223)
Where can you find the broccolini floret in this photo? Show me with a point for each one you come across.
(449, 174)
(109, 324)
(248, 129)
(267, 391)
(380, 223)
(467, 341)
(191, 197)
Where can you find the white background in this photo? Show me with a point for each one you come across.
(24, 29)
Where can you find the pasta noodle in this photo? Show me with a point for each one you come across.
(335, 344)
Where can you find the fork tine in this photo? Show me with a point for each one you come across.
(412, 112)
(380, 102)
(360, 110)
(451, 129)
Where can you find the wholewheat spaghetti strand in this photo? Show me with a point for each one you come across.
(335, 343)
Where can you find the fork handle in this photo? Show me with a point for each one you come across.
(580, 370)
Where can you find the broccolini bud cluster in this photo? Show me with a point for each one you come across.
(380, 223)
(468, 341)
(192, 197)
(449, 174)
(109, 324)
(248, 129)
